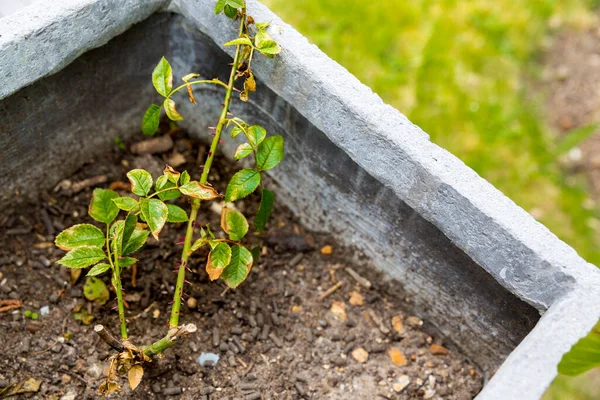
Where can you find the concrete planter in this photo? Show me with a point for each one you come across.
(467, 258)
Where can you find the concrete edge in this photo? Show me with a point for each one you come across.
(61, 31)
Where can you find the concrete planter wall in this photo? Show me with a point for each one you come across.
(465, 256)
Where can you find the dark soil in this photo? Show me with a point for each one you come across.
(275, 338)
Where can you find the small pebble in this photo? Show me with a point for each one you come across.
(172, 391)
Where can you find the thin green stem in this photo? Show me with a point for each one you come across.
(174, 320)
(117, 284)
(211, 81)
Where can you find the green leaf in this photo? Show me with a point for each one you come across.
(155, 213)
(220, 6)
(162, 77)
(269, 48)
(176, 214)
(255, 254)
(261, 26)
(82, 257)
(128, 229)
(218, 259)
(242, 184)
(264, 210)
(136, 241)
(261, 37)
(269, 153)
(171, 111)
(199, 243)
(95, 290)
(185, 177)
(235, 3)
(98, 269)
(241, 40)
(172, 175)
(199, 191)
(256, 134)
(163, 183)
(234, 224)
(230, 11)
(238, 268)
(127, 204)
(80, 235)
(189, 76)
(141, 181)
(236, 131)
(583, 356)
(243, 150)
(151, 120)
(127, 261)
(102, 208)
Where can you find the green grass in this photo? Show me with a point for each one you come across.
(457, 69)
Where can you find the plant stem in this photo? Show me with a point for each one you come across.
(174, 320)
(116, 280)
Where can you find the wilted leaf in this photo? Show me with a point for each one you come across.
(189, 76)
(136, 241)
(242, 151)
(199, 191)
(218, 259)
(269, 153)
(141, 181)
(583, 356)
(250, 83)
(176, 214)
(162, 77)
(242, 184)
(75, 274)
(171, 174)
(98, 269)
(264, 210)
(80, 235)
(185, 177)
(155, 213)
(151, 120)
(234, 223)
(95, 290)
(102, 208)
(134, 376)
(162, 184)
(244, 96)
(82, 257)
(171, 111)
(256, 134)
(238, 268)
(241, 40)
(108, 387)
(29, 385)
(127, 204)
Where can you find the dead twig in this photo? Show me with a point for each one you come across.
(9, 304)
(108, 338)
(362, 281)
(330, 290)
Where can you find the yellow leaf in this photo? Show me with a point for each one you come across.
(135, 375)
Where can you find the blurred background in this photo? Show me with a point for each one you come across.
(511, 87)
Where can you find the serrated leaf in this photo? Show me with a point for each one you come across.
(264, 210)
(102, 208)
(261, 37)
(269, 48)
(256, 134)
(151, 120)
(241, 41)
(234, 224)
(220, 6)
(189, 76)
(162, 77)
(243, 150)
(235, 3)
(163, 183)
(199, 243)
(236, 131)
(128, 229)
(230, 12)
(98, 269)
(125, 262)
(171, 174)
(269, 153)
(155, 213)
(185, 177)
(82, 257)
(80, 235)
(199, 191)
(127, 204)
(176, 214)
(95, 290)
(169, 106)
(242, 184)
(136, 241)
(238, 268)
(134, 376)
(218, 259)
(583, 356)
(141, 181)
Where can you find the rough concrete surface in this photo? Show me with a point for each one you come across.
(458, 247)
